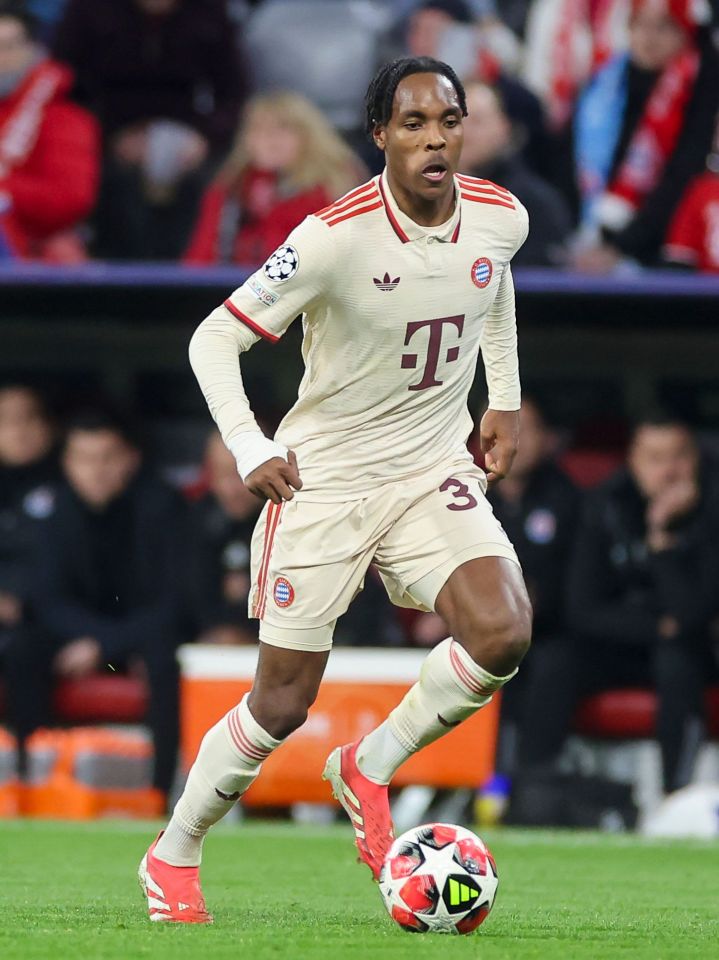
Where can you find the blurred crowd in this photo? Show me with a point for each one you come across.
(203, 131)
(105, 564)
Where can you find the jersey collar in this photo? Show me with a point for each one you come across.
(406, 229)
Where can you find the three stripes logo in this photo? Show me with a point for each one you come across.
(385, 283)
(458, 895)
(481, 272)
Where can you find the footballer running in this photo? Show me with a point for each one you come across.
(400, 283)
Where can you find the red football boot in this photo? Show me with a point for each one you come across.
(366, 804)
(173, 893)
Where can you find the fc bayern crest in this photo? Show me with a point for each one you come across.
(283, 592)
(481, 272)
(282, 264)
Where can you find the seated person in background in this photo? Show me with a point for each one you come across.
(288, 162)
(693, 237)
(28, 477)
(491, 151)
(221, 526)
(641, 131)
(163, 77)
(642, 587)
(538, 506)
(108, 583)
(49, 148)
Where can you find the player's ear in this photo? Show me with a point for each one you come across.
(378, 135)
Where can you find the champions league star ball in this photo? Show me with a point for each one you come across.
(282, 264)
(438, 878)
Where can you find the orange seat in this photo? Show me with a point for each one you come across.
(630, 714)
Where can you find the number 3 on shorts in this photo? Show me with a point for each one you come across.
(460, 492)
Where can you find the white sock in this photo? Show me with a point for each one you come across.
(228, 760)
(451, 687)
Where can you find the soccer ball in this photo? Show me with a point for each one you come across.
(438, 878)
(282, 264)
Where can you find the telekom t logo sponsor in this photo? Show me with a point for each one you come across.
(434, 347)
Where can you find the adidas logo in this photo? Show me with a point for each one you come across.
(385, 283)
(461, 893)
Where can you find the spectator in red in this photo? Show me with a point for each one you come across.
(642, 130)
(49, 148)
(287, 162)
(163, 77)
(693, 238)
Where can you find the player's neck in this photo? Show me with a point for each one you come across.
(424, 212)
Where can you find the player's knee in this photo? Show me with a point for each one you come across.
(281, 711)
(498, 638)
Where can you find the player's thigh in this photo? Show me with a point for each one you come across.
(442, 530)
(308, 562)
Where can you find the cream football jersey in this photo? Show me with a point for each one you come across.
(394, 315)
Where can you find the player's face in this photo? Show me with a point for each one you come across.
(99, 465)
(662, 456)
(423, 140)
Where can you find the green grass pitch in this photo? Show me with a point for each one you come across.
(69, 891)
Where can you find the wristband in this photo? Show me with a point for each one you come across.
(252, 448)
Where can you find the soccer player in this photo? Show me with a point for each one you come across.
(400, 283)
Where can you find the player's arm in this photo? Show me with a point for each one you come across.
(264, 306)
(499, 428)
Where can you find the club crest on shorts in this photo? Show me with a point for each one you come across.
(282, 264)
(481, 272)
(283, 592)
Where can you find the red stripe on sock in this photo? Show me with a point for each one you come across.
(243, 742)
(465, 676)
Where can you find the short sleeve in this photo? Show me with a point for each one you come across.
(293, 277)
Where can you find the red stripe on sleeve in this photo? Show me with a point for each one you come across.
(255, 327)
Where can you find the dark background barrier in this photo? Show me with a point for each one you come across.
(595, 349)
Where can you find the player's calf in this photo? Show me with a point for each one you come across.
(451, 687)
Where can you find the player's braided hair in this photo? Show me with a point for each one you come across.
(381, 91)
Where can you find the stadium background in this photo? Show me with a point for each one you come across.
(97, 321)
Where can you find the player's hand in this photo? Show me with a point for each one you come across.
(499, 438)
(275, 479)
